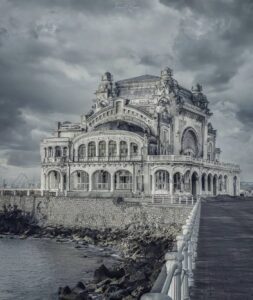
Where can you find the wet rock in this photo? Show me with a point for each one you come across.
(79, 292)
(101, 273)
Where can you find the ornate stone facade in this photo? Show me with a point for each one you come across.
(143, 136)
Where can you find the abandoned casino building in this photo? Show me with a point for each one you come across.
(146, 135)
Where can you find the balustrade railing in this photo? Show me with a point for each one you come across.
(20, 192)
(93, 159)
(123, 186)
(184, 158)
(174, 199)
(176, 276)
(149, 158)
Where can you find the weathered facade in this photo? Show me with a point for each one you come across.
(144, 136)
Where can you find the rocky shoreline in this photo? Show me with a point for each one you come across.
(142, 251)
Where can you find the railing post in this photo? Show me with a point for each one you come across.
(190, 252)
(174, 259)
(185, 285)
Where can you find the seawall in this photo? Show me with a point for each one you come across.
(96, 213)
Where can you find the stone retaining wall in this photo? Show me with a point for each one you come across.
(95, 213)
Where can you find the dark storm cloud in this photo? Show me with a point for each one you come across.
(91, 6)
(52, 54)
(220, 43)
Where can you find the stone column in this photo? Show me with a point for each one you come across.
(106, 149)
(112, 182)
(199, 188)
(153, 183)
(90, 182)
(61, 182)
(97, 149)
(117, 149)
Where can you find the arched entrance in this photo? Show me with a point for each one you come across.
(209, 182)
(203, 182)
(79, 180)
(215, 185)
(225, 183)
(101, 181)
(195, 183)
(177, 182)
(220, 183)
(235, 185)
(123, 180)
(54, 180)
(162, 181)
(187, 181)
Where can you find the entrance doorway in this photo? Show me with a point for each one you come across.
(194, 183)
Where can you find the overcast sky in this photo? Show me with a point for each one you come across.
(53, 52)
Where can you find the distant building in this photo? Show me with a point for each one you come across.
(145, 135)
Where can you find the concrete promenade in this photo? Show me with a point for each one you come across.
(224, 266)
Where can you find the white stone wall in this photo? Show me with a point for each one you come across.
(96, 213)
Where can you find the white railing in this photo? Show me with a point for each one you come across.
(174, 199)
(185, 158)
(123, 186)
(16, 191)
(176, 276)
(31, 192)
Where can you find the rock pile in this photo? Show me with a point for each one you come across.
(143, 251)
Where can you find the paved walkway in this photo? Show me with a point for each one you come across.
(224, 267)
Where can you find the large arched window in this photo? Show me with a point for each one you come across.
(57, 151)
(101, 180)
(54, 180)
(112, 149)
(123, 150)
(91, 149)
(162, 180)
(82, 152)
(79, 181)
(101, 149)
(133, 149)
(189, 143)
(123, 180)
